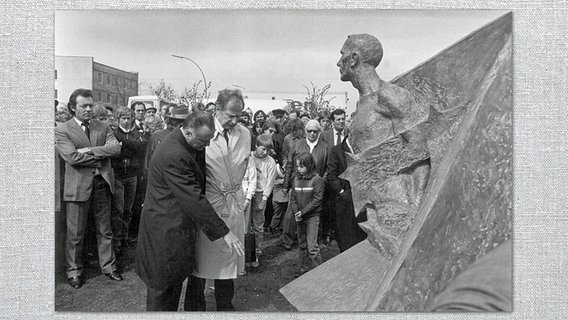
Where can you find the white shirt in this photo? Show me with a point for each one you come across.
(335, 133)
(312, 145)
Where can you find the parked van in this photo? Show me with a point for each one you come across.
(149, 101)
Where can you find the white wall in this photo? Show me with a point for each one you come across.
(72, 73)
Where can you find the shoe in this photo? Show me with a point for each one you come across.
(258, 251)
(75, 282)
(254, 264)
(287, 246)
(114, 276)
(247, 264)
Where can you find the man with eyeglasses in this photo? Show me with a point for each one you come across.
(312, 144)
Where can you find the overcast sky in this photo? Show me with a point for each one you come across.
(276, 51)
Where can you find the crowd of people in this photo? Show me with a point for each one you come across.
(195, 191)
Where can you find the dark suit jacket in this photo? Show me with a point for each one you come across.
(175, 208)
(80, 167)
(336, 165)
(329, 136)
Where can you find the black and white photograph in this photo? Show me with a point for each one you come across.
(283, 160)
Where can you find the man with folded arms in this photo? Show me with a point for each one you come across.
(86, 145)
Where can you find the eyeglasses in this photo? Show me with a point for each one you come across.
(272, 131)
(312, 131)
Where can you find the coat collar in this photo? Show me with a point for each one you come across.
(75, 126)
(234, 133)
(178, 135)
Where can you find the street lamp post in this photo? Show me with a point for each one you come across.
(195, 63)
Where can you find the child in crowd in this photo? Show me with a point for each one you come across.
(279, 202)
(249, 187)
(265, 173)
(306, 201)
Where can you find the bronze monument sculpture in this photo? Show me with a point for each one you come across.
(432, 167)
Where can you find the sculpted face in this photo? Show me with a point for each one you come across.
(345, 61)
(229, 117)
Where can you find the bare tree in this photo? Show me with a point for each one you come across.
(164, 91)
(122, 93)
(316, 100)
(193, 96)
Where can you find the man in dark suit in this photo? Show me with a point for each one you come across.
(86, 145)
(332, 137)
(338, 132)
(139, 109)
(348, 231)
(174, 210)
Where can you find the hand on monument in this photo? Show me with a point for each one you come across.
(234, 243)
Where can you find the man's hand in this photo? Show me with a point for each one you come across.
(262, 205)
(234, 243)
(247, 204)
(298, 216)
(85, 150)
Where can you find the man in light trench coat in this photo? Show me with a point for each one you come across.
(175, 211)
(227, 159)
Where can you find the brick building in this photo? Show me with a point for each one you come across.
(109, 84)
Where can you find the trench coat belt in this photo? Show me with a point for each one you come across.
(226, 193)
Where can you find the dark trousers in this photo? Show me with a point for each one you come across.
(163, 300)
(122, 203)
(224, 292)
(328, 221)
(77, 213)
(141, 183)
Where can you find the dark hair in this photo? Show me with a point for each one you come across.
(198, 119)
(226, 95)
(336, 112)
(73, 98)
(264, 140)
(294, 125)
(270, 124)
(123, 111)
(257, 113)
(108, 107)
(307, 160)
(135, 103)
(324, 114)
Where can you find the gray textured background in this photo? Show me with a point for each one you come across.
(26, 159)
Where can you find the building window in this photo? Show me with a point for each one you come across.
(55, 93)
(98, 77)
(55, 73)
(108, 97)
(107, 79)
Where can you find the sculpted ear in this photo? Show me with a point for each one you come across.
(355, 59)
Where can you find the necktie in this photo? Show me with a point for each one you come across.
(86, 129)
(338, 139)
(226, 135)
